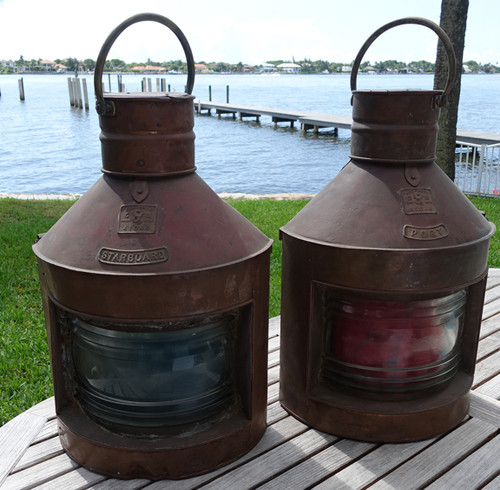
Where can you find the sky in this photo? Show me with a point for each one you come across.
(247, 31)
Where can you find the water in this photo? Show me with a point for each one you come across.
(46, 146)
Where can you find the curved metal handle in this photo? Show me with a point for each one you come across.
(450, 53)
(107, 107)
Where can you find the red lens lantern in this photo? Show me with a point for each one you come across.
(383, 279)
(156, 300)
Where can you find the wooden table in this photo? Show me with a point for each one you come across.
(291, 455)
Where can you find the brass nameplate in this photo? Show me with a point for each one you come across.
(418, 201)
(425, 233)
(137, 218)
(132, 257)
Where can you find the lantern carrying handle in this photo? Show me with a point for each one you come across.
(440, 100)
(106, 108)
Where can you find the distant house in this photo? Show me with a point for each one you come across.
(346, 68)
(149, 69)
(201, 68)
(267, 68)
(47, 65)
(9, 64)
(61, 68)
(289, 67)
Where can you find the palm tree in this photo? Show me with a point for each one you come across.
(453, 22)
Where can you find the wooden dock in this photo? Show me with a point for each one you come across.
(291, 455)
(313, 121)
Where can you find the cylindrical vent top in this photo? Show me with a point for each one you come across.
(394, 126)
(150, 135)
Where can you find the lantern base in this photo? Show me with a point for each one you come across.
(155, 458)
(349, 416)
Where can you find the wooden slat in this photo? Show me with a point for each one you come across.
(438, 457)
(113, 484)
(276, 436)
(274, 326)
(40, 473)
(273, 374)
(493, 485)
(273, 359)
(320, 465)
(493, 278)
(274, 344)
(373, 466)
(15, 437)
(275, 412)
(473, 471)
(40, 452)
(273, 393)
(280, 459)
(47, 408)
(490, 325)
(492, 308)
(485, 408)
(49, 430)
(78, 479)
(491, 388)
(487, 369)
(492, 291)
(488, 345)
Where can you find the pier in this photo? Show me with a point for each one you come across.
(478, 152)
(313, 121)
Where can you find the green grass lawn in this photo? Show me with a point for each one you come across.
(25, 375)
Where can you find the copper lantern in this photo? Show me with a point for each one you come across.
(384, 274)
(155, 295)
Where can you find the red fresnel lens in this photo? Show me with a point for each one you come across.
(393, 346)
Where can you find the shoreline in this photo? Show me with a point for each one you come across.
(224, 195)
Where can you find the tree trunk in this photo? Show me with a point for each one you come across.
(453, 22)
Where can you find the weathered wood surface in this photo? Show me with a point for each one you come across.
(292, 455)
(313, 120)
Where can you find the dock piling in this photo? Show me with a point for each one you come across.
(21, 89)
(71, 93)
(78, 91)
(86, 94)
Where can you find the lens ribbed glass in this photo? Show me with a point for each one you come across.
(392, 345)
(154, 379)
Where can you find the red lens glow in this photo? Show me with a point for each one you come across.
(393, 344)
